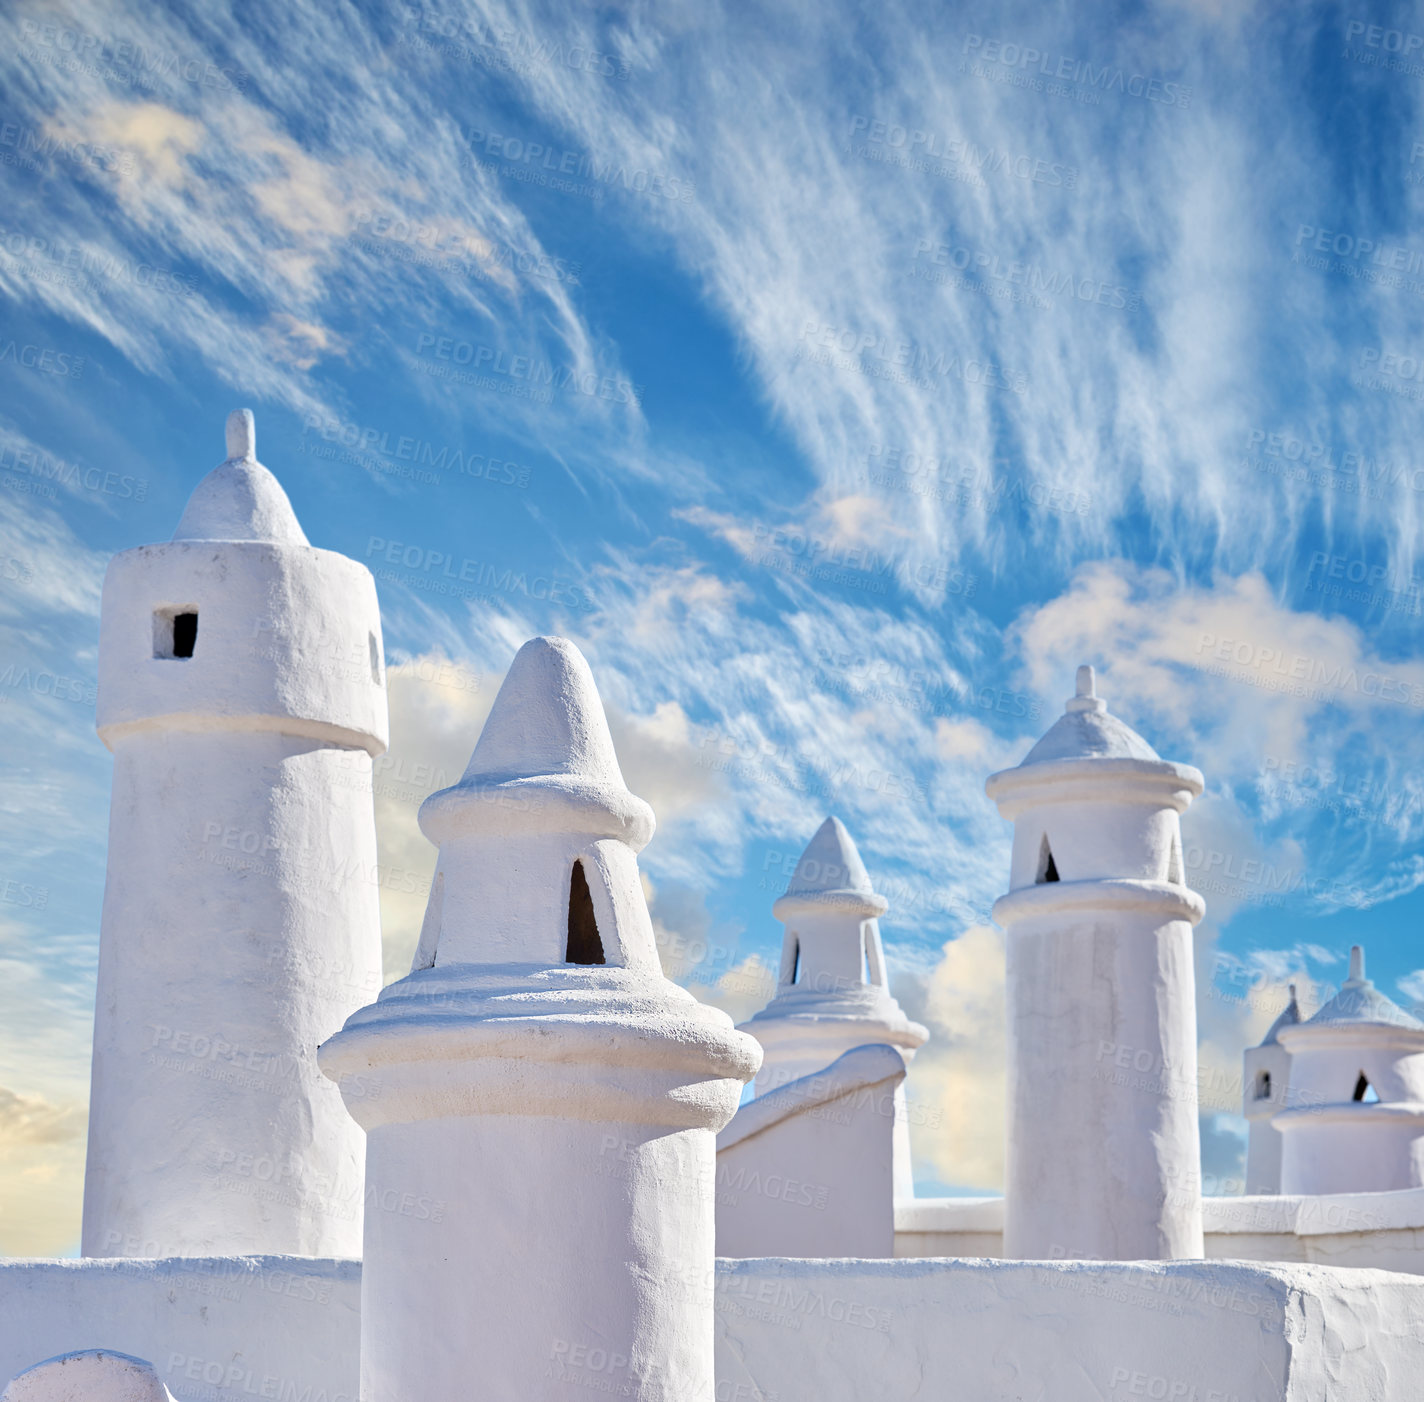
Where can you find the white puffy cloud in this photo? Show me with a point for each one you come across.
(41, 1174)
(956, 1086)
(437, 707)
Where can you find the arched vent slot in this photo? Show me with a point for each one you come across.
(585, 946)
(795, 961)
(1263, 1085)
(874, 968)
(429, 944)
(375, 654)
(1047, 867)
(1365, 1091)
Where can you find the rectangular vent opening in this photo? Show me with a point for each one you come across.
(175, 631)
(185, 634)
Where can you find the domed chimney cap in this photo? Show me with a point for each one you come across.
(1089, 754)
(1359, 1002)
(1086, 730)
(240, 499)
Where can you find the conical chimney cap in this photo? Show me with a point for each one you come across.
(830, 874)
(546, 719)
(544, 761)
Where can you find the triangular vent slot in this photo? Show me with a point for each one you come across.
(1047, 867)
(585, 946)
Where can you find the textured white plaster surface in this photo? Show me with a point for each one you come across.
(92, 1376)
(845, 1331)
(1265, 1084)
(807, 1169)
(833, 990)
(563, 1115)
(1384, 1231)
(949, 1227)
(1103, 1151)
(1265, 1089)
(241, 919)
(215, 1329)
(1333, 1143)
(795, 1330)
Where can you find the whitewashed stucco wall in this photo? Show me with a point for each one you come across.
(1379, 1230)
(216, 1329)
(843, 1331)
(287, 1328)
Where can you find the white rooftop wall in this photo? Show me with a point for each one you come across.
(791, 1330)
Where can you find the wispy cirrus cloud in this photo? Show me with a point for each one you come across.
(224, 221)
(960, 379)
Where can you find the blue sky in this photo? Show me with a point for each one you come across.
(837, 378)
